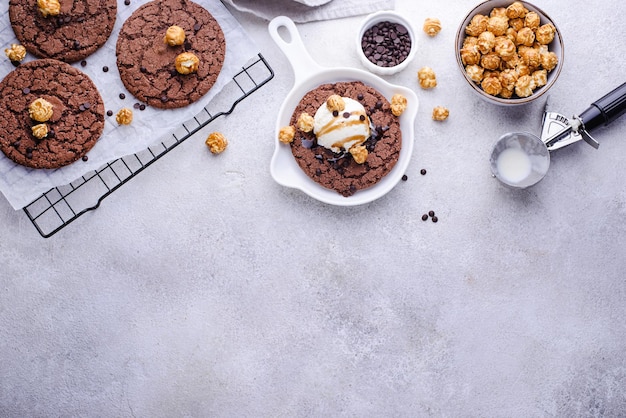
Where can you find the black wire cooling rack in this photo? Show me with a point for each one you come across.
(61, 205)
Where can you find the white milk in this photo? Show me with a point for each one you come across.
(514, 165)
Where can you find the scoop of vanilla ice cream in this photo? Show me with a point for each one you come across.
(347, 128)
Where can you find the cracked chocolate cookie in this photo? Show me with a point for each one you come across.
(340, 171)
(64, 30)
(51, 114)
(158, 66)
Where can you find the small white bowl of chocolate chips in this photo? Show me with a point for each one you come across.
(386, 43)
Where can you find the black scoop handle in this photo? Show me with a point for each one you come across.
(606, 109)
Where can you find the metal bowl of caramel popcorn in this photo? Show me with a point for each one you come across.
(510, 52)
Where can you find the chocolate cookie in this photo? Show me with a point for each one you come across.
(77, 114)
(81, 27)
(339, 171)
(147, 64)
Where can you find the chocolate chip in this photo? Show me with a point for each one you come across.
(136, 106)
(127, 2)
(435, 219)
(85, 158)
(105, 69)
(143, 69)
(142, 107)
(51, 133)
(362, 118)
(83, 63)
(197, 27)
(346, 115)
(359, 96)
(423, 171)
(187, 45)
(405, 177)
(424, 217)
(67, 19)
(122, 96)
(379, 105)
(81, 108)
(109, 113)
(15, 63)
(335, 113)
(307, 143)
(25, 90)
(318, 172)
(431, 213)
(86, 105)
(164, 99)
(76, 45)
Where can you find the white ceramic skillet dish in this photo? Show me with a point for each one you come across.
(309, 75)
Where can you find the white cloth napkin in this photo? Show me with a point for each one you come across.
(310, 10)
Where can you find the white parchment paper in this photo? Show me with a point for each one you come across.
(21, 185)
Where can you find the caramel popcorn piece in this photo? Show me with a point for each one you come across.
(216, 142)
(525, 36)
(427, 78)
(475, 72)
(491, 85)
(49, 7)
(175, 35)
(359, 153)
(40, 110)
(335, 103)
(432, 26)
(305, 122)
(477, 25)
(470, 55)
(545, 34)
(498, 25)
(532, 20)
(124, 116)
(505, 48)
(516, 10)
(398, 104)
(440, 113)
(524, 86)
(498, 12)
(40, 131)
(549, 60)
(540, 77)
(508, 78)
(516, 24)
(187, 63)
(530, 56)
(490, 61)
(486, 42)
(287, 134)
(470, 41)
(16, 53)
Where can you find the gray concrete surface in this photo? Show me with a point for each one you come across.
(202, 288)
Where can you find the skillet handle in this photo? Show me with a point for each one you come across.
(293, 47)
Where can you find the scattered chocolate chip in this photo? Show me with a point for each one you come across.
(142, 107)
(431, 213)
(105, 69)
(136, 106)
(25, 90)
(122, 96)
(109, 113)
(143, 69)
(81, 108)
(362, 118)
(197, 27)
(15, 63)
(16, 144)
(379, 105)
(405, 177)
(423, 171)
(164, 99)
(85, 158)
(352, 189)
(127, 2)
(187, 45)
(51, 133)
(318, 172)
(424, 217)
(83, 63)
(29, 155)
(76, 45)
(307, 143)
(435, 219)
(346, 115)
(359, 96)
(335, 113)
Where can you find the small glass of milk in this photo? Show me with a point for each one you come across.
(519, 159)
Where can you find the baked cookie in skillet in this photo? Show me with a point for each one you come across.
(154, 37)
(51, 114)
(340, 171)
(66, 30)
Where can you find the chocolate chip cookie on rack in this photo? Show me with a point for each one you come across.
(170, 53)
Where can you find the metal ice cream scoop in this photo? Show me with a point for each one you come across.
(521, 159)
